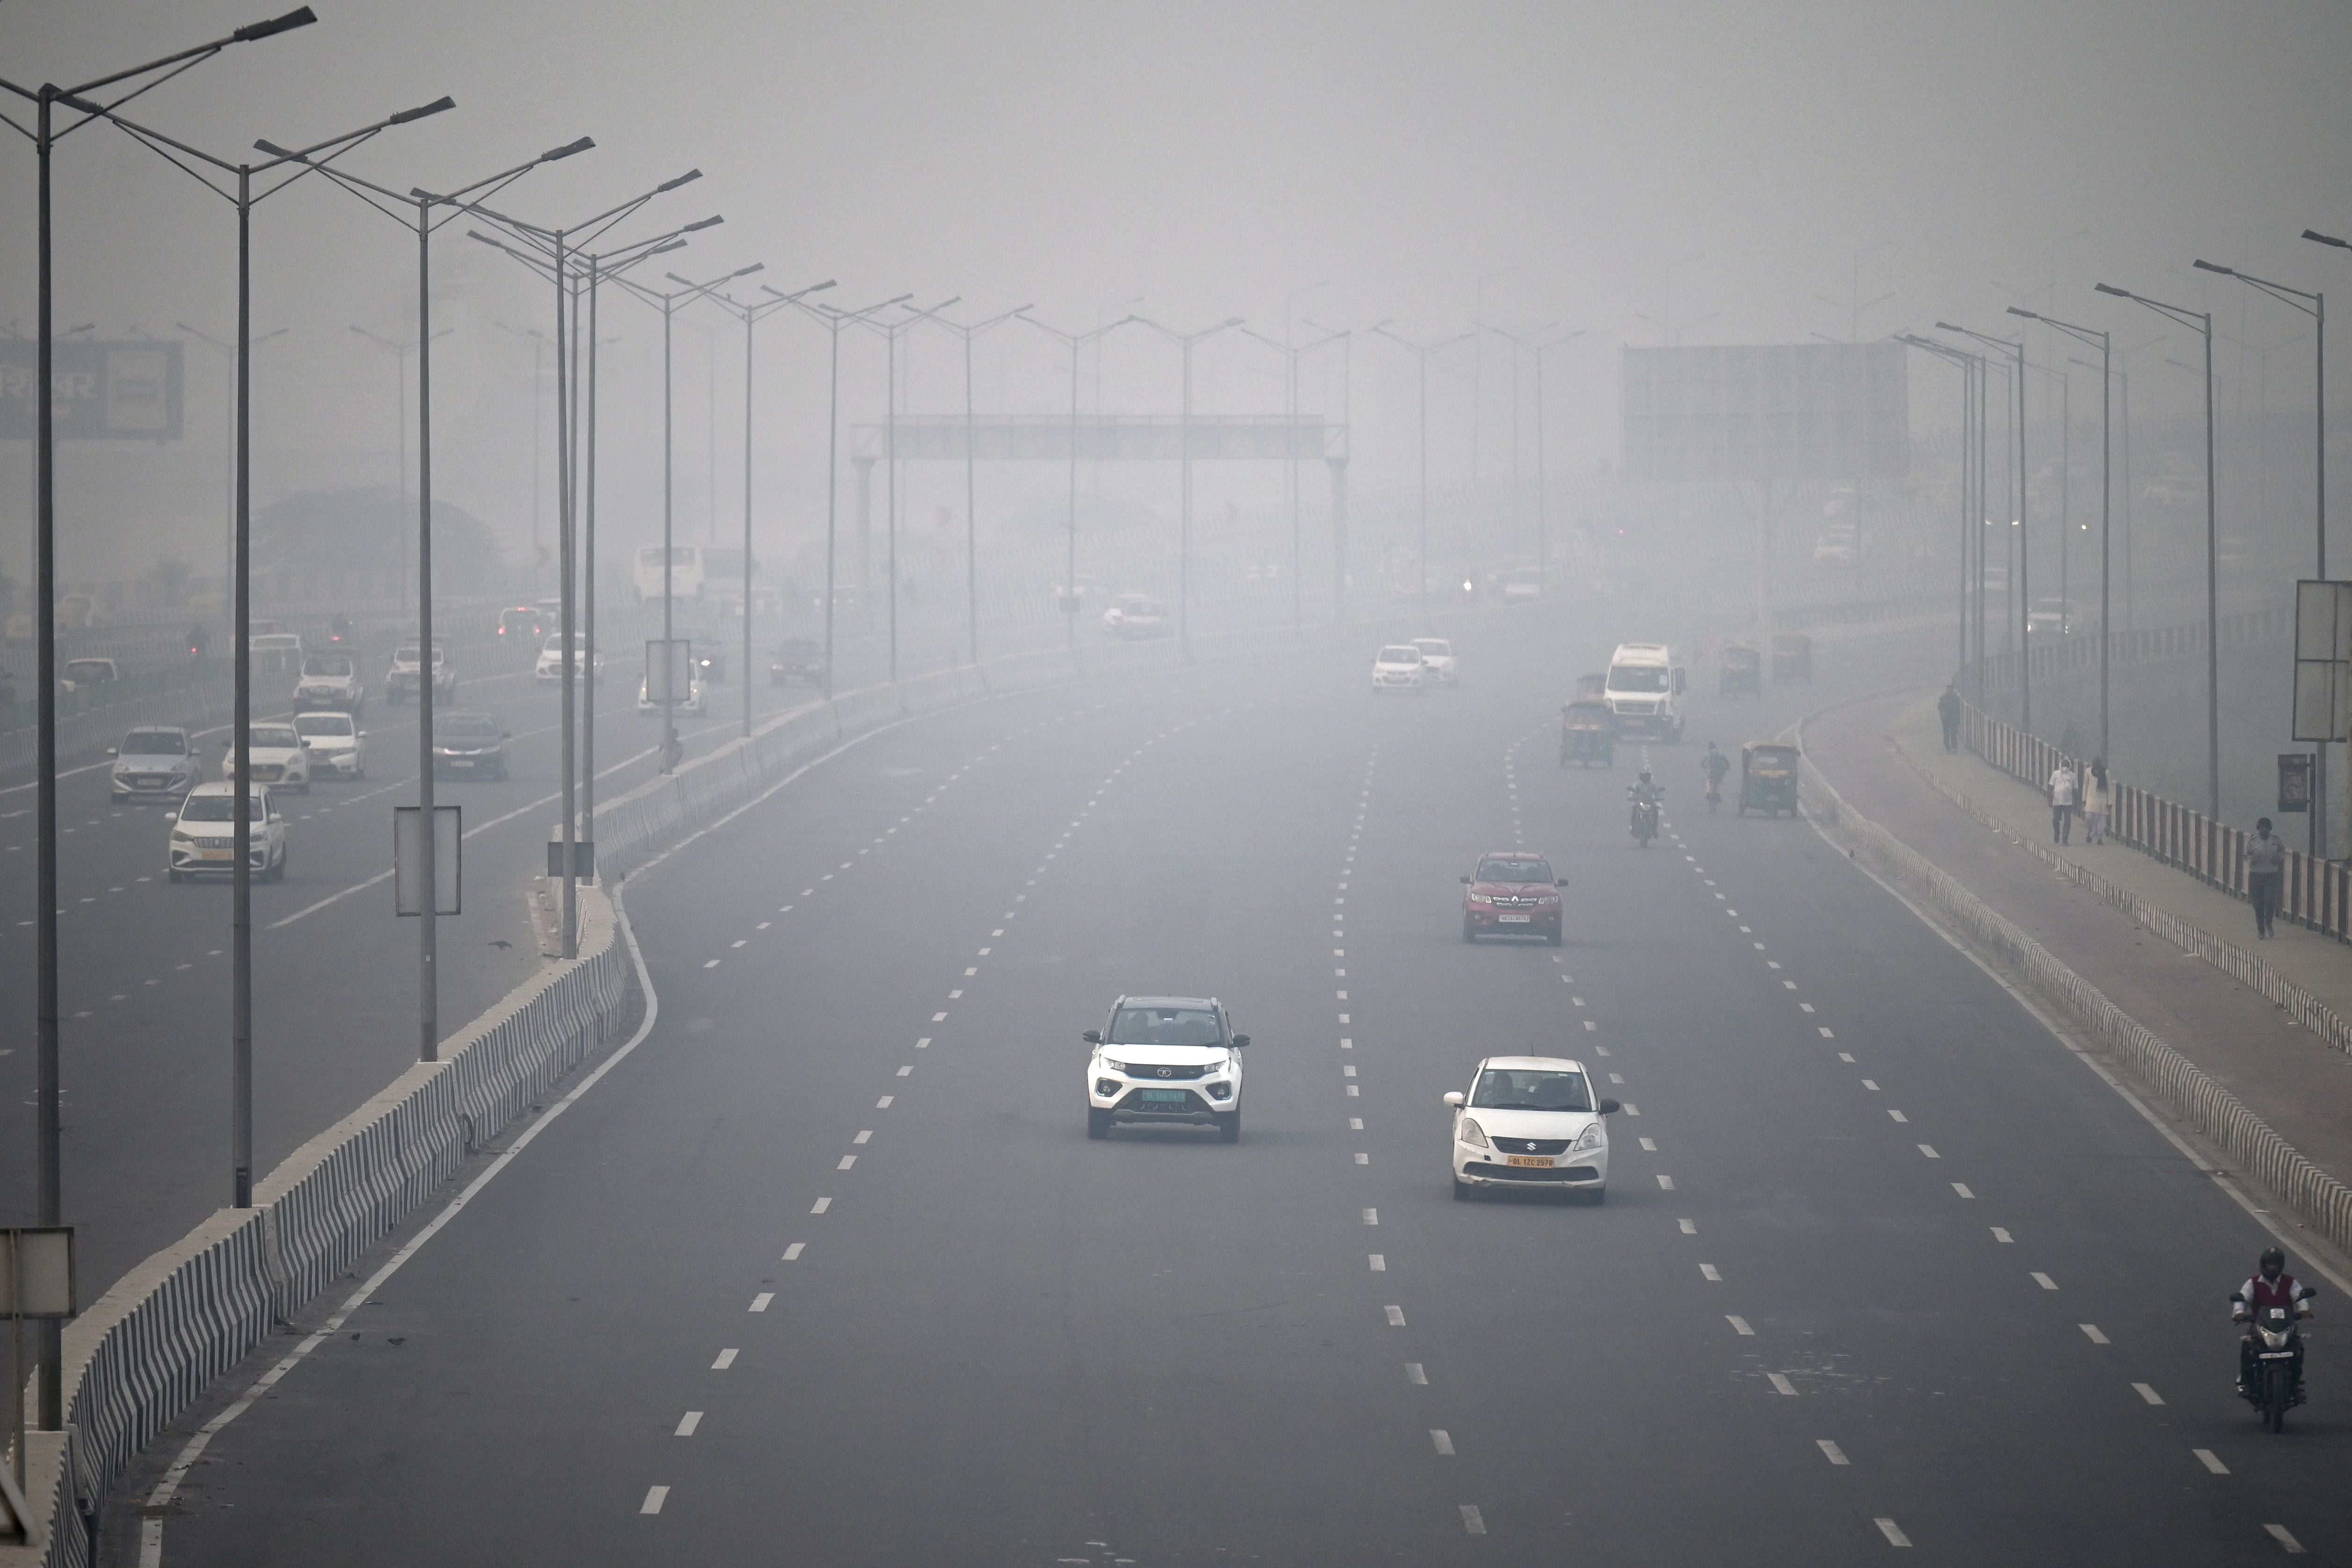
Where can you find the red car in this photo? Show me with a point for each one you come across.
(1512, 893)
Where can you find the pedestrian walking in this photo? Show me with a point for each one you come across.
(2098, 799)
(2265, 869)
(1947, 708)
(2064, 793)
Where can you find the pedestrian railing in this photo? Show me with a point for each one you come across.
(2312, 893)
(2075, 655)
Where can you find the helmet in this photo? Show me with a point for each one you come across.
(1646, 775)
(2273, 1261)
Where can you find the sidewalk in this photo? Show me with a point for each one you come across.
(1885, 754)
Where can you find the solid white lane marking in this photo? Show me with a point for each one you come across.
(1929, 1150)
(654, 1497)
(2205, 1456)
(1830, 1451)
(1689, 1227)
(1475, 1523)
(1442, 1440)
(689, 1422)
(1665, 1183)
(1707, 1271)
(1962, 1188)
(759, 1302)
(2091, 1332)
(2044, 1280)
(1379, 1263)
(792, 1253)
(1371, 1217)
(866, 1136)
(726, 1359)
(1780, 1383)
(1740, 1326)
(1413, 1374)
(2145, 1392)
(820, 1205)
(1895, 1537)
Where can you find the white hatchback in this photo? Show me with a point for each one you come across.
(278, 755)
(1437, 659)
(1400, 668)
(1530, 1122)
(1170, 1059)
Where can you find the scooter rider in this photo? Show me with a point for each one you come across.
(1715, 764)
(2271, 1286)
(1645, 790)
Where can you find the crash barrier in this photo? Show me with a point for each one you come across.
(90, 719)
(2316, 894)
(140, 1356)
(146, 1351)
(2151, 644)
(1852, 612)
(2316, 1198)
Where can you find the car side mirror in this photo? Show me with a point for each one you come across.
(1240, 1040)
(361, 735)
(1454, 1099)
(171, 817)
(1465, 881)
(1609, 1108)
(111, 751)
(1561, 883)
(1092, 1037)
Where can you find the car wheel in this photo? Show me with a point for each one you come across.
(1469, 932)
(176, 877)
(304, 788)
(1463, 1191)
(117, 798)
(1098, 1122)
(1556, 939)
(1229, 1127)
(1595, 1197)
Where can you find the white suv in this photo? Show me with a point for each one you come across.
(1172, 1059)
(203, 833)
(330, 680)
(1399, 668)
(1530, 1122)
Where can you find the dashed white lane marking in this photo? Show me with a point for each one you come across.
(1898, 1115)
(884, 1103)
(689, 1422)
(846, 1162)
(867, 1136)
(1962, 1188)
(2205, 1456)
(1740, 1326)
(792, 1253)
(738, 941)
(1650, 1144)
(2002, 1237)
(1475, 1523)
(1870, 1084)
(763, 925)
(820, 1205)
(1709, 1271)
(1362, 1158)
(1631, 1110)
(1371, 1217)
(726, 1359)
(2286, 1538)
(1379, 1263)
(1830, 1451)
(1665, 1183)
(1689, 1227)
(2148, 1393)
(654, 1497)
(1929, 1150)
(939, 1017)
(1895, 1536)
(1414, 1374)
(1846, 1057)
(1355, 1125)
(759, 1302)
(1827, 1035)
(923, 1043)
(2044, 1280)
(1395, 1316)
(1780, 1383)
(1348, 1070)
(907, 1071)
(1442, 1440)
(710, 964)
(2091, 1332)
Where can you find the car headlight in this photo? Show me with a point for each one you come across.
(1593, 1138)
(1482, 898)
(1112, 1066)
(180, 837)
(1470, 1133)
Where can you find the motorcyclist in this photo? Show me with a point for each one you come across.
(1715, 764)
(1645, 790)
(2271, 1286)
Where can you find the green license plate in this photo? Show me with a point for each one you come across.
(1176, 1095)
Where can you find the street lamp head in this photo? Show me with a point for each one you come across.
(2028, 315)
(2211, 266)
(301, 16)
(1947, 327)
(1235, 322)
(699, 225)
(419, 112)
(569, 148)
(2312, 234)
(272, 148)
(2111, 288)
(747, 271)
(688, 178)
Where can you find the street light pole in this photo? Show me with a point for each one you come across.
(891, 332)
(1535, 344)
(2024, 532)
(2203, 320)
(1184, 341)
(1075, 342)
(2105, 344)
(1964, 361)
(971, 478)
(1292, 357)
(1420, 352)
(834, 320)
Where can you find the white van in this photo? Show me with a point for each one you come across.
(1645, 690)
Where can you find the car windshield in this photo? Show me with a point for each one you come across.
(1514, 870)
(1770, 759)
(1636, 678)
(280, 735)
(1531, 1088)
(1164, 1027)
(89, 669)
(216, 809)
(467, 726)
(307, 724)
(154, 743)
(333, 665)
(1400, 656)
(1435, 646)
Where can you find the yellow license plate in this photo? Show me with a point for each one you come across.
(214, 854)
(1537, 1161)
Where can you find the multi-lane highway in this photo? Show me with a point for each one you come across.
(825, 1270)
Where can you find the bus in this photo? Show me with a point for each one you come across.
(686, 566)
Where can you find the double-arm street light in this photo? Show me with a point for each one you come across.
(425, 212)
(971, 477)
(2314, 305)
(2024, 530)
(1075, 342)
(2105, 344)
(1184, 341)
(1420, 352)
(834, 320)
(43, 133)
(752, 312)
(1292, 356)
(2203, 320)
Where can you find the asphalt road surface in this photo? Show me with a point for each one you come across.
(826, 1271)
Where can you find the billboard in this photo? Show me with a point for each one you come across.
(121, 391)
(1794, 411)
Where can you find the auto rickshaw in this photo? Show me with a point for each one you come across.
(1588, 734)
(1591, 684)
(1792, 656)
(1767, 778)
(1743, 671)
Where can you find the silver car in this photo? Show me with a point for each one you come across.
(159, 762)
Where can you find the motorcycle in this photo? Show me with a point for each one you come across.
(2272, 1385)
(1645, 818)
(1714, 791)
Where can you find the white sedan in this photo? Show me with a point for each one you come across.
(690, 703)
(338, 747)
(1399, 668)
(280, 757)
(1530, 1122)
(1437, 659)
